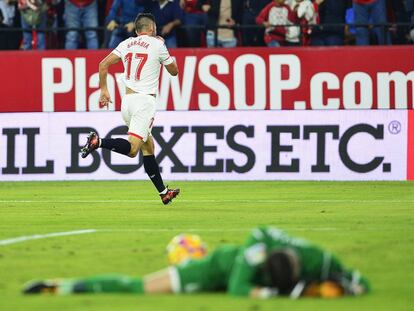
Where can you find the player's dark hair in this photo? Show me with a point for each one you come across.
(281, 267)
(143, 20)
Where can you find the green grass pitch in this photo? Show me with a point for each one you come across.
(369, 225)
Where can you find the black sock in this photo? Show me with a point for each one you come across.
(119, 145)
(152, 169)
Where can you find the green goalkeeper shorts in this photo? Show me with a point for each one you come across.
(195, 276)
(208, 274)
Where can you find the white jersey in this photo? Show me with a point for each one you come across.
(142, 57)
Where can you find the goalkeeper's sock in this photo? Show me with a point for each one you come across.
(153, 171)
(119, 145)
(103, 284)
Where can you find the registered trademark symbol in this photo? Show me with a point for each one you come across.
(394, 127)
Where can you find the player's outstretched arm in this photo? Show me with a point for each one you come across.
(104, 65)
(250, 257)
(241, 284)
(166, 59)
(172, 68)
(245, 267)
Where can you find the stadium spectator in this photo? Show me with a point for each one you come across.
(81, 14)
(54, 39)
(3, 34)
(307, 13)
(9, 40)
(194, 16)
(169, 16)
(251, 9)
(222, 13)
(34, 20)
(370, 11)
(350, 30)
(330, 12)
(122, 26)
(409, 8)
(8, 10)
(84, 14)
(396, 14)
(269, 264)
(274, 14)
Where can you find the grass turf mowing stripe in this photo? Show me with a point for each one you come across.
(210, 201)
(77, 232)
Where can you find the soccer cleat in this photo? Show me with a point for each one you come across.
(169, 196)
(91, 144)
(41, 287)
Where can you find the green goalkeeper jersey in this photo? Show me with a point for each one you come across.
(239, 269)
(234, 269)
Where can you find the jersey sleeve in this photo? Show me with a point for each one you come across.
(118, 51)
(248, 261)
(164, 56)
(264, 14)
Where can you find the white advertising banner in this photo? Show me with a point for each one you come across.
(212, 145)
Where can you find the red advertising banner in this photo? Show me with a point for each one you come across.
(220, 79)
(410, 146)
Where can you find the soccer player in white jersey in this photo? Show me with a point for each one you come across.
(142, 57)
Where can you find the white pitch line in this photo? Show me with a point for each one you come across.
(77, 232)
(44, 236)
(210, 201)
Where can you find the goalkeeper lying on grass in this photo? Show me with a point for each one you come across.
(271, 263)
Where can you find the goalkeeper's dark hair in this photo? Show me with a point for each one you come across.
(143, 21)
(282, 267)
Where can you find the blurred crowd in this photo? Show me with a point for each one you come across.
(92, 24)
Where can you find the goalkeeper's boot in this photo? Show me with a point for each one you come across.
(91, 144)
(169, 196)
(41, 287)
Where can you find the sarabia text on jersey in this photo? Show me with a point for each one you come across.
(142, 57)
